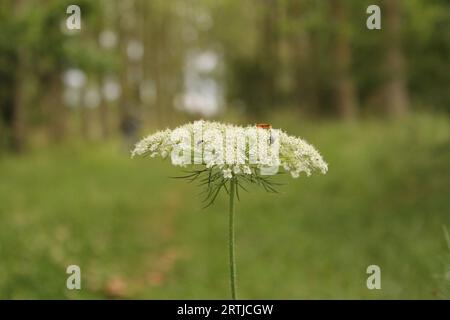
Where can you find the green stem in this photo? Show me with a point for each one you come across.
(231, 240)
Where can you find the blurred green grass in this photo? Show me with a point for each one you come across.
(136, 233)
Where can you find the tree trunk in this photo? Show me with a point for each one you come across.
(344, 90)
(85, 127)
(56, 110)
(269, 52)
(130, 78)
(304, 59)
(18, 110)
(397, 97)
(17, 142)
(104, 119)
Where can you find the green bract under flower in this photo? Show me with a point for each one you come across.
(234, 150)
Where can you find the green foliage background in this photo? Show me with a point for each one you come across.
(70, 194)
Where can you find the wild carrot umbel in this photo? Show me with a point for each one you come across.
(228, 157)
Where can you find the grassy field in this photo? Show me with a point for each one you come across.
(136, 233)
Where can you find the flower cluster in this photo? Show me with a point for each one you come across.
(234, 150)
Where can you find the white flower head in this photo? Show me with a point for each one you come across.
(233, 149)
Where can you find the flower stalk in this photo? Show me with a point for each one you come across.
(231, 241)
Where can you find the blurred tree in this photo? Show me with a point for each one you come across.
(341, 57)
(33, 54)
(12, 74)
(130, 77)
(426, 34)
(304, 62)
(316, 56)
(47, 44)
(397, 96)
(305, 36)
(268, 54)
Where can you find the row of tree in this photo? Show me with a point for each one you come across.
(320, 56)
(314, 56)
